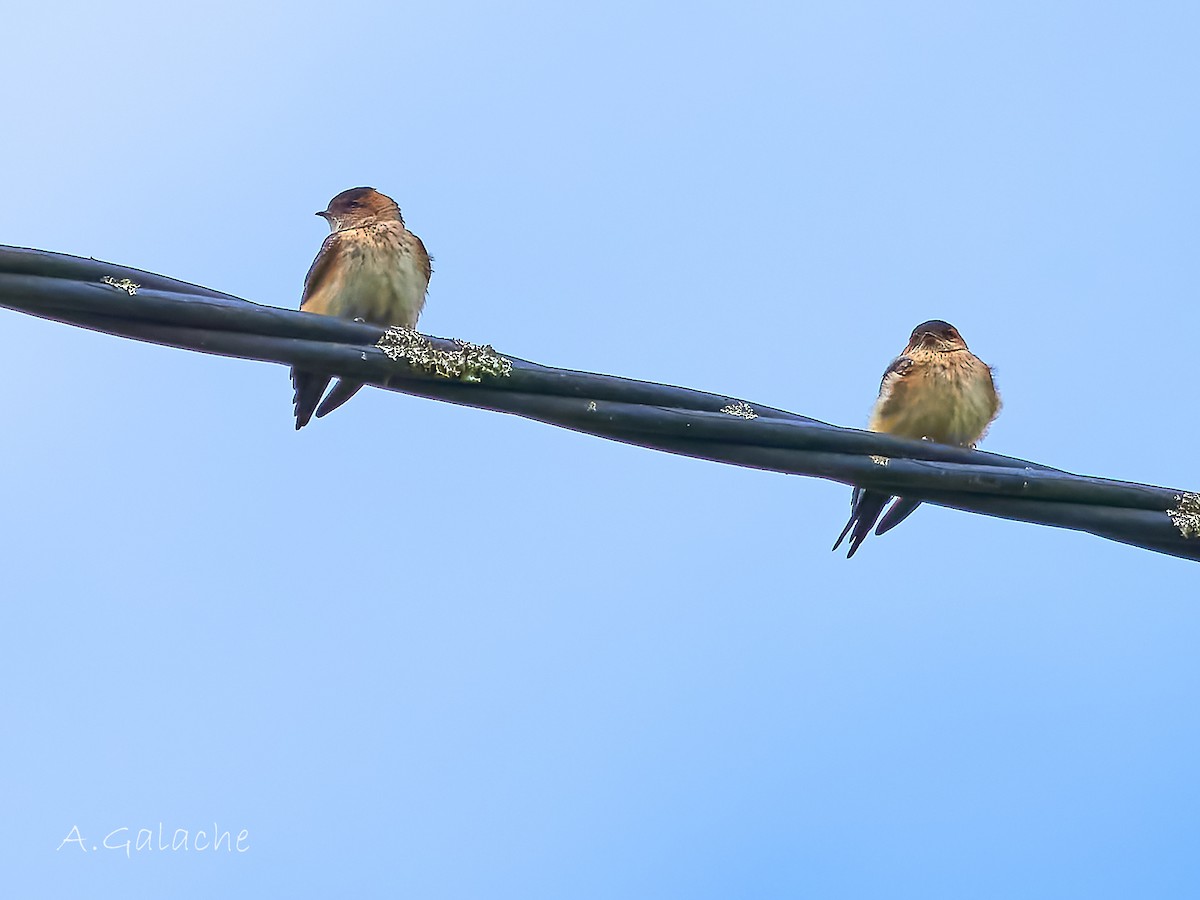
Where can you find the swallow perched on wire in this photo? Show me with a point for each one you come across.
(370, 268)
(935, 389)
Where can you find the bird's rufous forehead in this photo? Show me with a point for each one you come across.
(364, 198)
(935, 328)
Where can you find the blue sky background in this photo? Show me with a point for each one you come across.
(423, 651)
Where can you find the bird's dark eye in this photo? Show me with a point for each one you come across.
(355, 204)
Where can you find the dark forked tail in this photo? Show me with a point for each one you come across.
(309, 388)
(865, 508)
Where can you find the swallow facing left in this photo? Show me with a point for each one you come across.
(935, 389)
(371, 268)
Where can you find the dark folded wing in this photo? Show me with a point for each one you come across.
(866, 506)
(309, 386)
(321, 270)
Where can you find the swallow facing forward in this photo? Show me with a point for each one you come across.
(935, 389)
(370, 268)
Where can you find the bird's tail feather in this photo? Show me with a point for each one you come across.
(865, 509)
(342, 391)
(899, 511)
(309, 388)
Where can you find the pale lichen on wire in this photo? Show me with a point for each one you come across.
(124, 284)
(468, 362)
(741, 409)
(1186, 515)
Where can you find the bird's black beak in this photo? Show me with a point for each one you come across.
(324, 214)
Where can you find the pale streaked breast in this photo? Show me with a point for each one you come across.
(382, 281)
(951, 404)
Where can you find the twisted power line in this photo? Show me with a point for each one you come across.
(135, 304)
